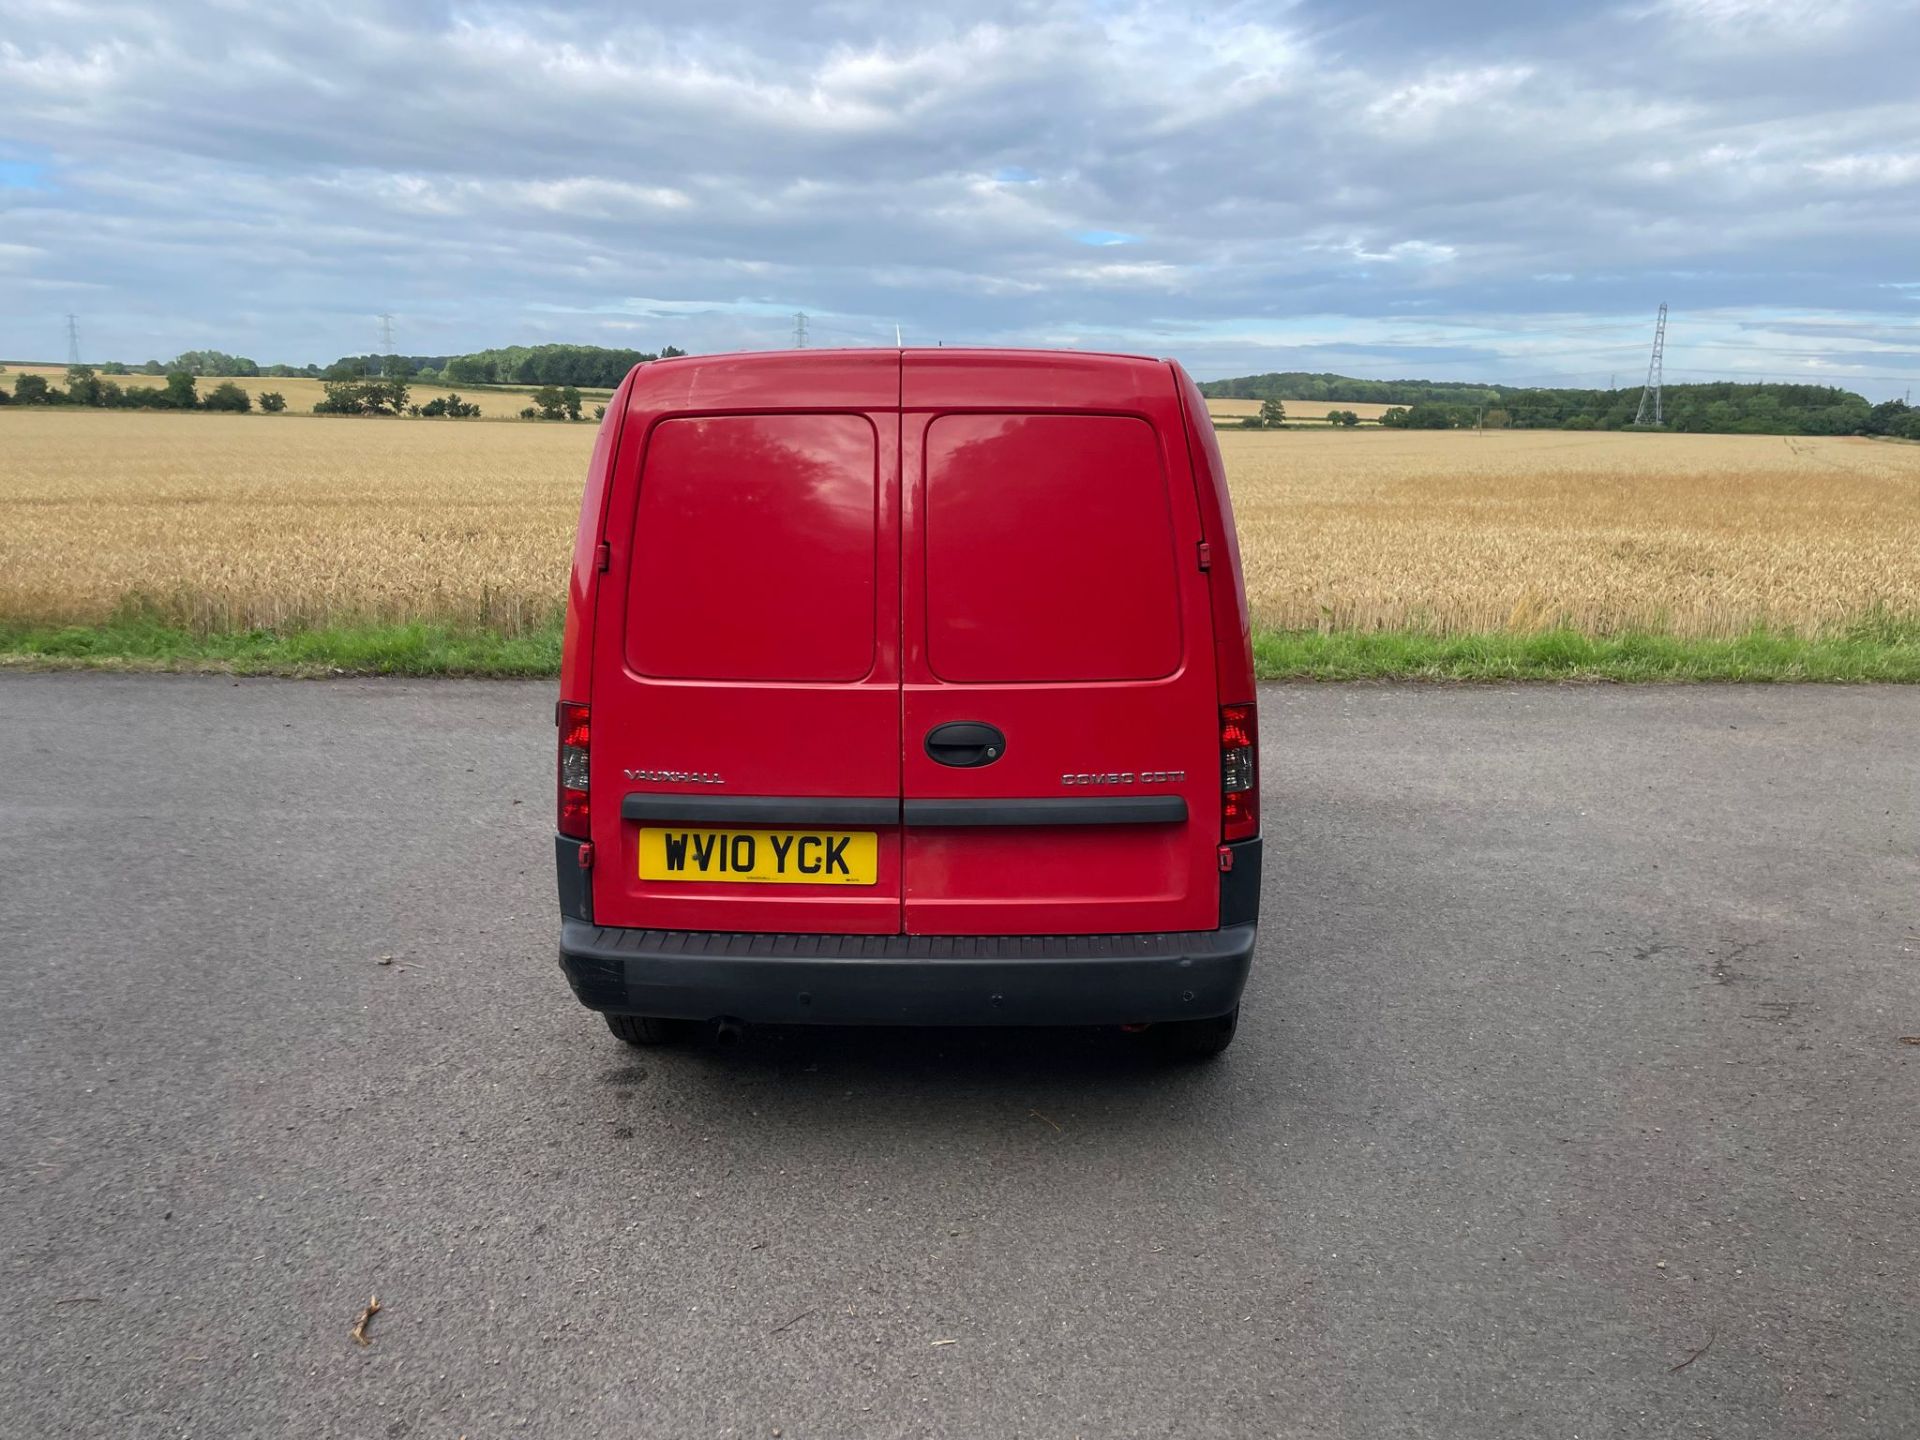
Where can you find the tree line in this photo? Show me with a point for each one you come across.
(358, 395)
(1718, 408)
(1273, 416)
(180, 392)
(1305, 386)
(591, 367)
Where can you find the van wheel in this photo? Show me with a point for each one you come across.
(650, 1029)
(1196, 1039)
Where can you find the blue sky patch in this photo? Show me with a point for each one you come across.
(22, 175)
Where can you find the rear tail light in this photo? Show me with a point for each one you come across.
(573, 818)
(1239, 772)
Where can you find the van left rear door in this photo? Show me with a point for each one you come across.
(746, 695)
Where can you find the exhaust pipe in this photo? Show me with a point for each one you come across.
(727, 1030)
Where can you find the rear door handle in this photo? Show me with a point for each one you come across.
(965, 744)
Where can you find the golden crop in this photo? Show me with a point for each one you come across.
(231, 521)
(234, 521)
(1230, 411)
(1456, 530)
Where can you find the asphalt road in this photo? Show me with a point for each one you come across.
(1572, 1055)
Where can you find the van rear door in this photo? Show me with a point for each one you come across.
(746, 688)
(1060, 769)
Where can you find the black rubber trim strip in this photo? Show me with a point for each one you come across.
(576, 889)
(908, 979)
(1066, 810)
(1240, 886)
(760, 809)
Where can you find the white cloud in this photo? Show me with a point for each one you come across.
(1008, 169)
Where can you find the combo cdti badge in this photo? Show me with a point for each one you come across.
(908, 688)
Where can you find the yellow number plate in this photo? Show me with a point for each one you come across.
(761, 857)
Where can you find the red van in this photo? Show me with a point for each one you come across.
(908, 687)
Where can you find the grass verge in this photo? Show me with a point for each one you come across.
(1874, 649)
(370, 649)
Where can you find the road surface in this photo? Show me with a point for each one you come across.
(1569, 1100)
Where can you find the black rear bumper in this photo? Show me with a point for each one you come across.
(908, 979)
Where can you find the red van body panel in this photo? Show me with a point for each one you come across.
(976, 611)
(1232, 627)
(746, 642)
(1053, 590)
(576, 646)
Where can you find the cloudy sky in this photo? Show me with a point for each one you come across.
(1499, 189)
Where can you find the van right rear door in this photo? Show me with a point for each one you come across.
(1060, 770)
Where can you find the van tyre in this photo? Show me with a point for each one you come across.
(650, 1029)
(1196, 1039)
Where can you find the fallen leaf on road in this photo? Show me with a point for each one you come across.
(938, 1343)
(1910, 1039)
(359, 1331)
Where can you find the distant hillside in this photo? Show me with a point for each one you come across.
(1300, 385)
(592, 366)
(589, 365)
(1770, 409)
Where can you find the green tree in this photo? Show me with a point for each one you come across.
(214, 362)
(1342, 417)
(1885, 418)
(1273, 413)
(180, 392)
(34, 390)
(362, 397)
(229, 396)
(471, 370)
(570, 397)
(552, 403)
(83, 385)
(272, 401)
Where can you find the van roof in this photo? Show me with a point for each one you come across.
(788, 357)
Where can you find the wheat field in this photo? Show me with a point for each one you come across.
(238, 521)
(1227, 412)
(1454, 531)
(223, 522)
